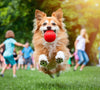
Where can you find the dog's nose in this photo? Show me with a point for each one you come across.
(49, 27)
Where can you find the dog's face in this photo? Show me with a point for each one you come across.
(45, 23)
(49, 24)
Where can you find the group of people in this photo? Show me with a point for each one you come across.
(10, 57)
(25, 55)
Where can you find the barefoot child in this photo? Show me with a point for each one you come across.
(9, 43)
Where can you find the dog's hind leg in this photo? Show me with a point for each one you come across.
(58, 74)
(46, 71)
(60, 68)
(51, 75)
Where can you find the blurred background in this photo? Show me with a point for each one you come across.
(18, 16)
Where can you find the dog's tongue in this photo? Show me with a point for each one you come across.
(50, 36)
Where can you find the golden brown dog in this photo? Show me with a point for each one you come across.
(51, 57)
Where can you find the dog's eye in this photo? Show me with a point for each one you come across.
(53, 24)
(44, 23)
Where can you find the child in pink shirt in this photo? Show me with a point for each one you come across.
(76, 57)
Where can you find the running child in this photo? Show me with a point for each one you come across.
(80, 45)
(9, 43)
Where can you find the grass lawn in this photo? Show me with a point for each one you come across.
(88, 79)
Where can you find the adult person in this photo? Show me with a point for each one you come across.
(80, 45)
(27, 51)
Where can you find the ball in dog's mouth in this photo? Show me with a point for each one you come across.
(48, 30)
(50, 35)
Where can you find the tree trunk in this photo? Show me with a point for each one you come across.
(92, 38)
(89, 45)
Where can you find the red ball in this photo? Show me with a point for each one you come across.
(50, 36)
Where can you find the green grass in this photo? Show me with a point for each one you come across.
(88, 79)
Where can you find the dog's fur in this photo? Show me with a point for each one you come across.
(46, 51)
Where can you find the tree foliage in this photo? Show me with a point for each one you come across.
(18, 16)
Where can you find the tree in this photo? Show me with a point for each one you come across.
(18, 15)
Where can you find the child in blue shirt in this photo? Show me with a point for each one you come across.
(9, 43)
(27, 51)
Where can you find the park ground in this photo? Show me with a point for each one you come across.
(88, 79)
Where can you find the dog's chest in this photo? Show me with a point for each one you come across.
(51, 47)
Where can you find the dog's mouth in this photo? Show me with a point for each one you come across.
(44, 31)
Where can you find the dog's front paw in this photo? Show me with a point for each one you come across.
(60, 57)
(43, 61)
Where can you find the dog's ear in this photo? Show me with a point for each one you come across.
(39, 15)
(58, 14)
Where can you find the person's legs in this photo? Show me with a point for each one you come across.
(0, 65)
(99, 61)
(14, 70)
(80, 55)
(82, 67)
(76, 61)
(86, 60)
(13, 63)
(76, 66)
(5, 67)
(18, 66)
(26, 62)
(22, 66)
(31, 66)
(31, 63)
(25, 66)
(3, 64)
